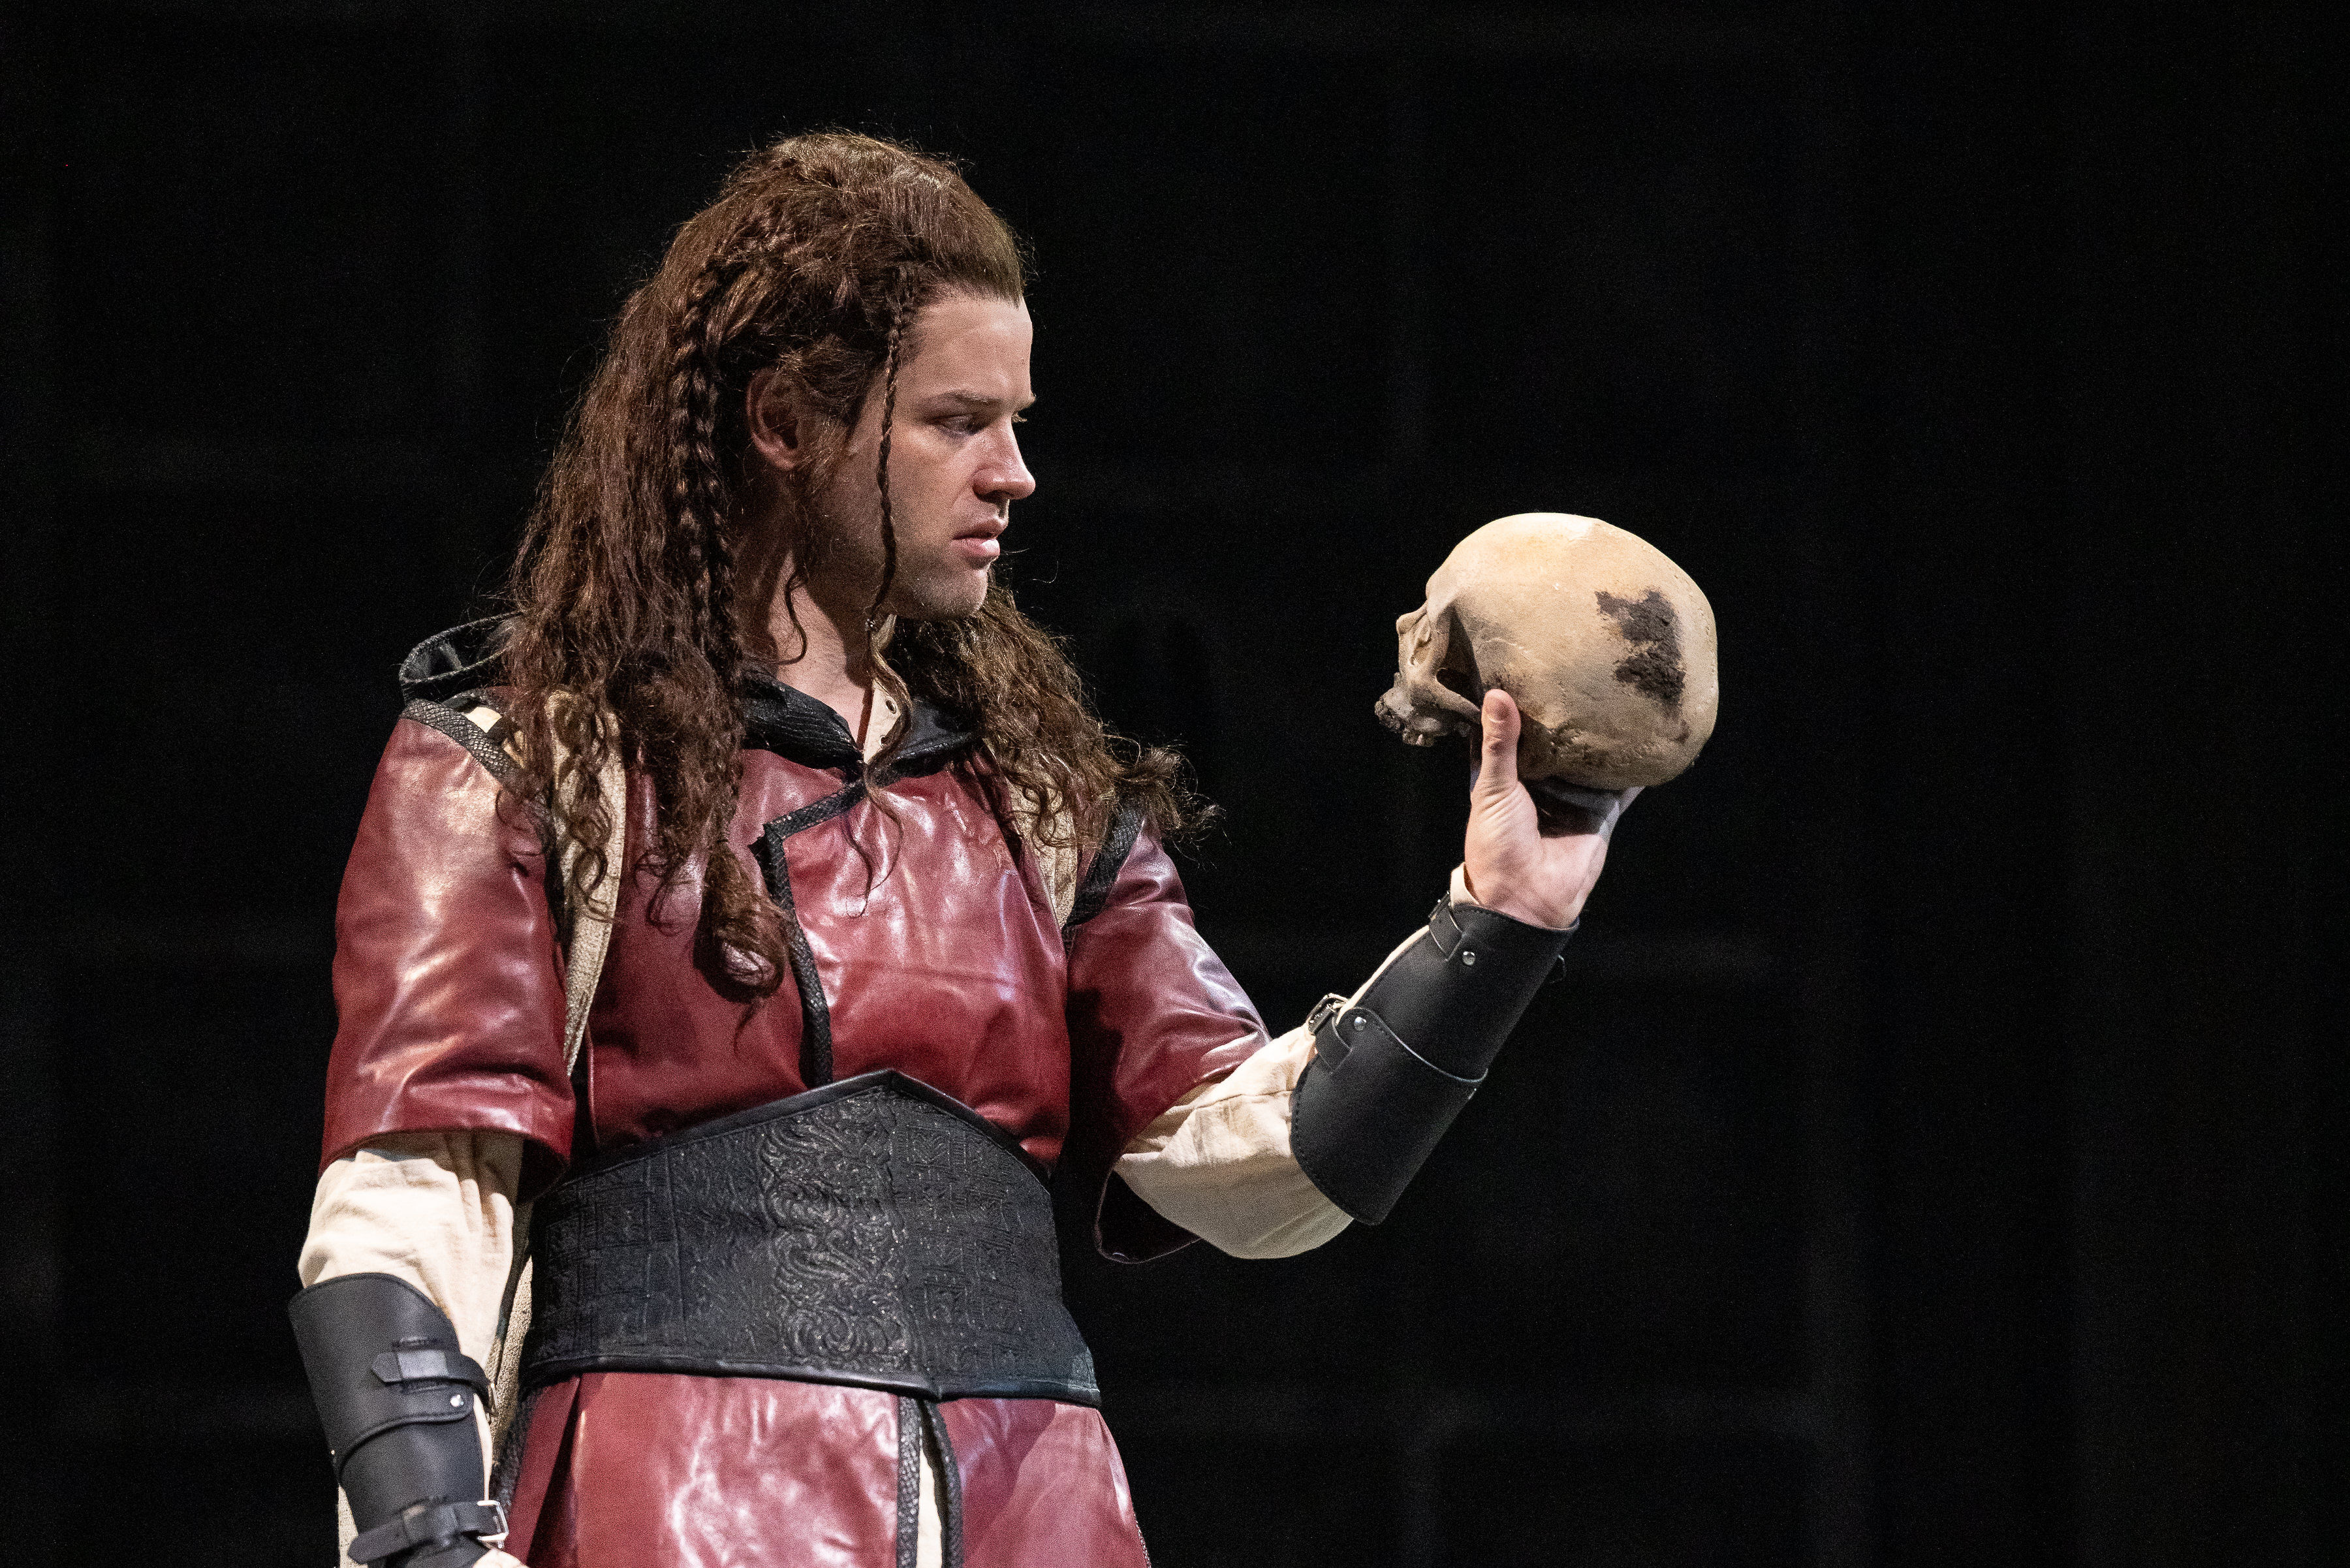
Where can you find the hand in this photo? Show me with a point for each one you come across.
(1529, 869)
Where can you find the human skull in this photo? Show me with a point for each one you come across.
(1606, 646)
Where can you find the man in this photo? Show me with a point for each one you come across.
(892, 943)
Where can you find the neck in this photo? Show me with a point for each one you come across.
(813, 636)
(826, 655)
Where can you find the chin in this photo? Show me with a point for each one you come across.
(947, 596)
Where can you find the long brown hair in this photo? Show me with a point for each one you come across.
(813, 261)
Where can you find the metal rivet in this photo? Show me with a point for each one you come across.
(457, 1401)
(1468, 956)
(1359, 1021)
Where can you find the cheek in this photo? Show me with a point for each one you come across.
(932, 483)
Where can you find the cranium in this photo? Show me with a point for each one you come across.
(1606, 646)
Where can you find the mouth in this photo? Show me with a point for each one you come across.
(978, 542)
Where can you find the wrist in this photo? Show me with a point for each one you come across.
(1505, 901)
(460, 1552)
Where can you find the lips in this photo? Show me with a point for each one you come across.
(978, 543)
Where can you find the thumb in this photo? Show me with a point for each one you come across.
(1497, 761)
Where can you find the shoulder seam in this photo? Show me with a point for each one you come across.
(1101, 875)
(466, 733)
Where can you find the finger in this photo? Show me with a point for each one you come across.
(1497, 763)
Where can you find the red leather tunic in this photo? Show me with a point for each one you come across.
(939, 956)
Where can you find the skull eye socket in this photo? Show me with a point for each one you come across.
(1458, 673)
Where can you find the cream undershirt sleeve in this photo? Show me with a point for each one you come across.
(434, 1209)
(1218, 1163)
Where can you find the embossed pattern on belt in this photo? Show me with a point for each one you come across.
(873, 1231)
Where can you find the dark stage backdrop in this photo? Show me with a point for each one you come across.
(1934, 1155)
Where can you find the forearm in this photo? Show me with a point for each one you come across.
(1219, 1162)
(410, 1245)
(1229, 1161)
(1393, 1064)
(435, 1209)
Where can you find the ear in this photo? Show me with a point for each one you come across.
(780, 428)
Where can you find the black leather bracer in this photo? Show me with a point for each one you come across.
(396, 1397)
(1393, 1068)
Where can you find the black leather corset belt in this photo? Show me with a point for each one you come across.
(873, 1231)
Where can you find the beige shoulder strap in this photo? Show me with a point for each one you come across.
(590, 937)
(1059, 866)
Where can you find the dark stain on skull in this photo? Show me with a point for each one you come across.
(1653, 665)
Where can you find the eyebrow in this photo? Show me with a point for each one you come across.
(971, 400)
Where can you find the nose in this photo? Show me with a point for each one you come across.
(1003, 477)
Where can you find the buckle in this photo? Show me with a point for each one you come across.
(398, 1368)
(498, 1536)
(1444, 927)
(1322, 1028)
(1323, 1010)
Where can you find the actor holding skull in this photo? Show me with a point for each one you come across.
(750, 928)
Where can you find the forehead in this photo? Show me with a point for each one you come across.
(970, 338)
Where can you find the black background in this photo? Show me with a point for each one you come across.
(1936, 1155)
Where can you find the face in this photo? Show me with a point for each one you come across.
(954, 464)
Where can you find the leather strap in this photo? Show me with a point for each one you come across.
(431, 1524)
(1343, 1028)
(399, 1367)
(909, 1482)
(934, 1419)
